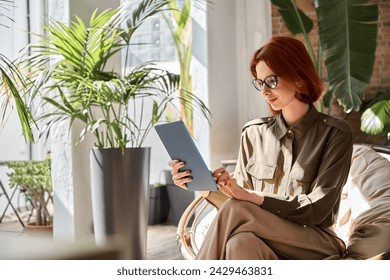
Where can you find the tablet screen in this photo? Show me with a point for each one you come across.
(180, 146)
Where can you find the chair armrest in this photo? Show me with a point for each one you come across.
(187, 236)
(183, 235)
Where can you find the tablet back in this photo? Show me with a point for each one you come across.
(179, 145)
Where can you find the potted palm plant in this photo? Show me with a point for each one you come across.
(34, 180)
(69, 72)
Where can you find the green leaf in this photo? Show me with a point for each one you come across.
(118, 132)
(145, 10)
(10, 77)
(348, 31)
(155, 112)
(57, 105)
(297, 22)
(327, 98)
(376, 118)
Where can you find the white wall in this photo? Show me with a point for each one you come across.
(235, 30)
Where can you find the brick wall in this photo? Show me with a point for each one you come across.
(381, 75)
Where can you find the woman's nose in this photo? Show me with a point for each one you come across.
(266, 91)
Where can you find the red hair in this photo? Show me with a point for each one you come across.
(287, 58)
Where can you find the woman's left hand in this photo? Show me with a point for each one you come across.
(229, 186)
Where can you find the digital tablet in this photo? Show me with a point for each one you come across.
(180, 146)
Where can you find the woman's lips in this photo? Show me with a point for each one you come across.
(271, 100)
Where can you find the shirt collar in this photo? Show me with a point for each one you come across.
(300, 128)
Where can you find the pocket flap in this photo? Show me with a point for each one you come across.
(260, 170)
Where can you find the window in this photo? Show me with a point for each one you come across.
(152, 41)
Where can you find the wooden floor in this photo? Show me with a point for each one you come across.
(161, 240)
(162, 244)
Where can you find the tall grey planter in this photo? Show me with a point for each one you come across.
(119, 187)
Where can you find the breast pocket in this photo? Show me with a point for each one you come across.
(263, 176)
(301, 180)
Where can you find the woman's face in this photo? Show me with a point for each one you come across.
(280, 97)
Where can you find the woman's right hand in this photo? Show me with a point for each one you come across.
(180, 178)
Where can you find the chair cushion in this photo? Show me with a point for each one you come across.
(364, 218)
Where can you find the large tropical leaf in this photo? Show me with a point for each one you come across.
(376, 118)
(348, 31)
(297, 22)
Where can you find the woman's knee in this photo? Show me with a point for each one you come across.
(246, 245)
(239, 241)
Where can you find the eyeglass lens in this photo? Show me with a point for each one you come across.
(270, 81)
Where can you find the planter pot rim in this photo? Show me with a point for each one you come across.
(33, 224)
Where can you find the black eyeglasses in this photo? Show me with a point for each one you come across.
(270, 81)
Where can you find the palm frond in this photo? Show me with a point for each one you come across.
(6, 5)
(144, 11)
(10, 77)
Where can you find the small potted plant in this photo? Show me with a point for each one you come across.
(34, 180)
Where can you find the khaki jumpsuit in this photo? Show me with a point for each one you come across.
(301, 171)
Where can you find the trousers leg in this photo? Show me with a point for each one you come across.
(247, 246)
(285, 238)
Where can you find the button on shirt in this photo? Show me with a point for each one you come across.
(301, 170)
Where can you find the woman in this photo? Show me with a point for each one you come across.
(284, 195)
